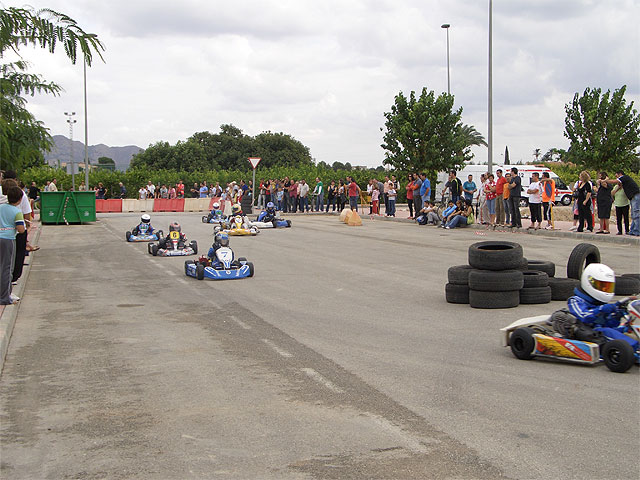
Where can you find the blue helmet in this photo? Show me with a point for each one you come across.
(223, 239)
(270, 207)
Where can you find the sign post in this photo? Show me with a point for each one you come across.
(254, 163)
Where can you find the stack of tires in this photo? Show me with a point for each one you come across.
(497, 277)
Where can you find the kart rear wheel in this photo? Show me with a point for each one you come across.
(522, 343)
(186, 266)
(200, 271)
(205, 219)
(194, 246)
(159, 234)
(162, 243)
(149, 248)
(154, 250)
(618, 356)
(251, 270)
(128, 236)
(288, 223)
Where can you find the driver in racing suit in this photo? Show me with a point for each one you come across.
(236, 211)
(269, 213)
(220, 240)
(596, 318)
(144, 227)
(216, 214)
(174, 227)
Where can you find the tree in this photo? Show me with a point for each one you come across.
(506, 155)
(471, 136)
(22, 137)
(425, 134)
(603, 130)
(536, 153)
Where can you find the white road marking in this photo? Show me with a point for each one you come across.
(240, 322)
(278, 350)
(311, 373)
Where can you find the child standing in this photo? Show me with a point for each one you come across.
(280, 197)
(11, 221)
(375, 200)
(391, 193)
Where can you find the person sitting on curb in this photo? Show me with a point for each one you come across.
(428, 215)
(462, 217)
(447, 214)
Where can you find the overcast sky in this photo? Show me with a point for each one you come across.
(326, 71)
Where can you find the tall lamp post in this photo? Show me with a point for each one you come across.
(490, 119)
(86, 132)
(71, 121)
(446, 27)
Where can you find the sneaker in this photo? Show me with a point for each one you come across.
(14, 298)
(573, 229)
(448, 228)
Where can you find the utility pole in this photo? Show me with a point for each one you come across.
(71, 121)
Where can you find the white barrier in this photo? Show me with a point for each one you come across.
(196, 204)
(134, 205)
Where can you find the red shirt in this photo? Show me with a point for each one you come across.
(353, 189)
(410, 191)
(500, 185)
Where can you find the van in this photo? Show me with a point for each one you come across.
(563, 193)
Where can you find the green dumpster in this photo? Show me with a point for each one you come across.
(67, 207)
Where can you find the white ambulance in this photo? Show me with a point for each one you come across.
(563, 192)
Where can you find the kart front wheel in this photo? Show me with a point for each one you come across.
(186, 266)
(200, 271)
(205, 219)
(128, 236)
(194, 246)
(154, 250)
(522, 343)
(251, 270)
(149, 245)
(242, 260)
(618, 356)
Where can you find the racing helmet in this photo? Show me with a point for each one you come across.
(599, 281)
(236, 209)
(175, 227)
(145, 218)
(222, 239)
(216, 206)
(271, 207)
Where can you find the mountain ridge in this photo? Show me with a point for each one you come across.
(61, 150)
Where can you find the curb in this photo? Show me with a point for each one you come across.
(10, 312)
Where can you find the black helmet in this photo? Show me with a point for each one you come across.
(175, 227)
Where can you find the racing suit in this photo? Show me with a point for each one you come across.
(602, 317)
(143, 229)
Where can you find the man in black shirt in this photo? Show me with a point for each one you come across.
(515, 189)
(632, 191)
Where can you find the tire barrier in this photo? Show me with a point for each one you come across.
(582, 255)
(494, 255)
(508, 299)
(562, 288)
(535, 278)
(459, 274)
(542, 266)
(627, 285)
(456, 293)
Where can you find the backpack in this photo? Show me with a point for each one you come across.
(470, 219)
(421, 219)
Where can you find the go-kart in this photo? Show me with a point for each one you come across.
(222, 267)
(263, 222)
(144, 237)
(212, 218)
(174, 246)
(538, 337)
(236, 227)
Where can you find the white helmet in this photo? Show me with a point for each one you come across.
(145, 218)
(216, 206)
(599, 281)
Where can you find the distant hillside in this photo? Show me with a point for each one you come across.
(62, 149)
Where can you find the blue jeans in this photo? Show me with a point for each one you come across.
(457, 221)
(331, 201)
(304, 204)
(635, 215)
(392, 207)
(319, 202)
(353, 203)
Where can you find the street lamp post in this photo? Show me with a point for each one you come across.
(490, 119)
(71, 121)
(86, 132)
(446, 27)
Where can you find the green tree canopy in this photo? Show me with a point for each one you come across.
(425, 134)
(22, 136)
(603, 130)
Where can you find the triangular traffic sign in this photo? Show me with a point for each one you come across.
(254, 161)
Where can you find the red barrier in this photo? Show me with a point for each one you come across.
(168, 205)
(214, 200)
(109, 206)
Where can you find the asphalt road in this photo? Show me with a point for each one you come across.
(339, 359)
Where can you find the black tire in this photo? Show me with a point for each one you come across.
(454, 293)
(566, 200)
(535, 278)
(524, 265)
(459, 274)
(186, 264)
(251, 269)
(524, 202)
(618, 356)
(194, 245)
(128, 236)
(627, 285)
(492, 281)
(154, 250)
(288, 223)
(562, 288)
(632, 275)
(495, 255)
(200, 271)
(205, 219)
(162, 243)
(149, 248)
(535, 295)
(542, 266)
(582, 255)
(242, 259)
(522, 343)
(275, 223)
(478, 299)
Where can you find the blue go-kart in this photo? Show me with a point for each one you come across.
(265, 220)
(223, 266)
(144, 237)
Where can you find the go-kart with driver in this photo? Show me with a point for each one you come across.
(219, 263)
(269, 219)
(589, 331)
(174, 244)
(215, 215)
(144, 232)
(237, 225)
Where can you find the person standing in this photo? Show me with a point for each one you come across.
(410, 196)
(604, 200)
(425, 189)
(204, 190)
(386, 194)
(331, 196)
(318, 192)
(21, 238)
(354, 192)
(391, 192)
(123, 190)
(53, 187)
(11, 223)
(548, 189)
(303, 194)
(584, 202)
(535, 202)
(375, 201)
(515, 190)
(286, 185)
(469, 188)
(293, 196)
(621, 203)
(454, 185)
(483, 213)
(505, 199)
(500, 181)
(632, 191)
(180, 189)
(152, 189)
(417, 199)
(490, 199)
